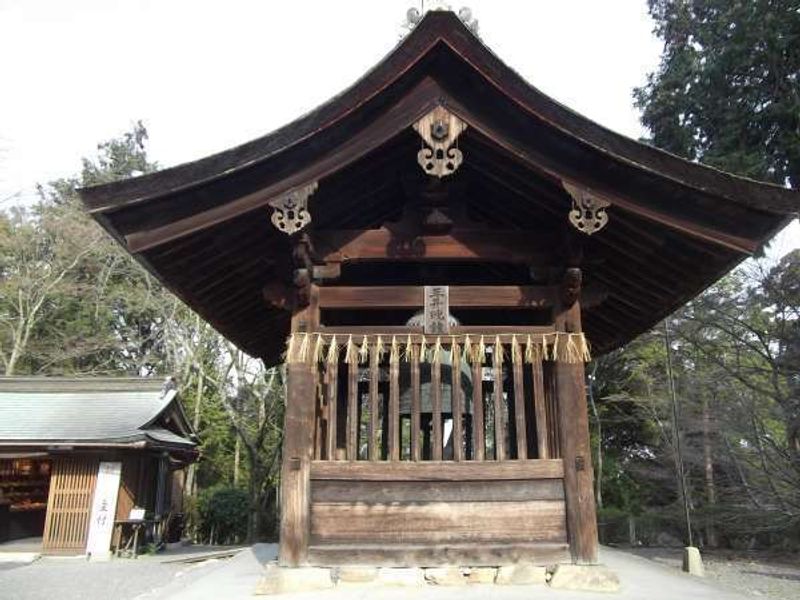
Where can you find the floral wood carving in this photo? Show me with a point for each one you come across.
(588, 212)
(290, 212)
(440, 129)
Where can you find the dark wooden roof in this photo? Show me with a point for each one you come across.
(203, 228)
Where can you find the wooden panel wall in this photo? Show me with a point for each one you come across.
(69, 504)
(128, 486)
(437, 513)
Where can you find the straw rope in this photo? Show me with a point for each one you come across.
(319, 347)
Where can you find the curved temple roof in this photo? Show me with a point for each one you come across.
(95, 412)
(675, 226)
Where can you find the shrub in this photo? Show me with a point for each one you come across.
(222, 514)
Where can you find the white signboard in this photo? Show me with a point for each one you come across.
(437, 309)
(104, 510)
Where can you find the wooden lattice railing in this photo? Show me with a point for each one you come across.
(460, 397)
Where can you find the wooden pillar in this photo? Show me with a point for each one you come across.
(298, 446)
(573, 423)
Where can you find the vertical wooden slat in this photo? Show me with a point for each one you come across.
(352, 411)
(415, 403)
(82, 520)
(539, 409)
(519, 408)
(332, 370)
(69, 504)
(51, 503)
(553, 432)
(456, 400)
(321, 412)
(478, 431)
(374, 425)
(499, 425)
(436, 408)
(73, 489)
(394, 409)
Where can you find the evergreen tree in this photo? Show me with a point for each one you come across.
(727, 91)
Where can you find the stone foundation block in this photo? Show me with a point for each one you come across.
(521, 574)
(445, 576)
(400, 576)
(592, 578)
(481, 575)
(355, 574)
(283, 580)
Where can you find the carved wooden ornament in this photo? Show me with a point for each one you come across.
(588, 212)
(439, 129)
(290, 212)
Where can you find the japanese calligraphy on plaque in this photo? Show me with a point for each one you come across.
(104, 509)
(437, 309)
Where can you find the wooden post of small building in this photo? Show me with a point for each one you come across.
(573, 422)
(298, 445)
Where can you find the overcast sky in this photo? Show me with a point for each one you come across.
(204, 76)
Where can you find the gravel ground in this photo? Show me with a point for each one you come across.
(77, 579)
(758, 575)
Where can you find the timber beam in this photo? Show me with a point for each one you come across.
(480, 244)
(469, 296)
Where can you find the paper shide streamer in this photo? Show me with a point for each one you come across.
(320, 347)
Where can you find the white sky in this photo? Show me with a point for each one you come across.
(204, 76)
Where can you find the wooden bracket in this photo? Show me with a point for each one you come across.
(302, 276)
(331, 271)
(571, 286)
(290, 211)
(588, 214)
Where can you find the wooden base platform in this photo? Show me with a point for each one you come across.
(425, 555)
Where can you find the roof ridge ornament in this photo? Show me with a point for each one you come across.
(588, 213)
(291, 209)
(439, 129)
(414, 15)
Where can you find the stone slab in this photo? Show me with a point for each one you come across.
(481, 575)
(591, 578)
(19, 557)
(445, 576)
(521, 574)
(355, 574)
(401, 576)
(284, 580)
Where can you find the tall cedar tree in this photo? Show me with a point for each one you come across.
(727, 91)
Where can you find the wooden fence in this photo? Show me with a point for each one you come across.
(431, 403)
